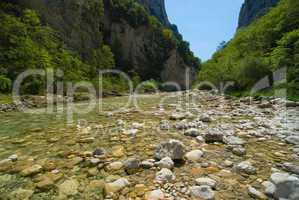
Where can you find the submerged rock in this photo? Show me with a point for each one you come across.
(117, 185)
(206, 181)
(192, 132)
(155, 195)
(173, 149)
(202, 192)
(285, 186)
(255, 193)
(213, 136)
(194, 156)
(165, 163)
(35, 169)
(68, 188)
(246, 167)
(233, 140)
(293, 140)
(165, 175)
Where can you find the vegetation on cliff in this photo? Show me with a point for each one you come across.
(269, 44)
(28, 42)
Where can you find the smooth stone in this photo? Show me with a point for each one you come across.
(192, 132)
(117, 185)
(13, 158)
(165, 175)
(115, 166)
(293, 140)
(147, 164)
(118, 151)
(30, 171)
(233, 140)
(194, 156)
(269, 188)
(99, 152)
(255, 193)
(200, 139)
(68, 188)
(155, 195)
(132, 165)
(165, 163)
(203, 192)
(228, 163)
(21, 194)
(278, 177)
(239, 151)
(206, 181)
(246, 167)
(213, 136)
(292, 168)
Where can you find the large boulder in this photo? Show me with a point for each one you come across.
(283, 186)
(173, 149)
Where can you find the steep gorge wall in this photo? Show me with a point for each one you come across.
(252, 9)
(83, 29)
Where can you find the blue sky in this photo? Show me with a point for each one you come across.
(205, 23)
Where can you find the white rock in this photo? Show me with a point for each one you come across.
(165, 175)
(165, 163)
(206, 181)
(202, 192)
(194, 156)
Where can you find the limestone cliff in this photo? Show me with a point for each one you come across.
(138, 48)
(251, 9)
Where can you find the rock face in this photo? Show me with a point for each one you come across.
(252, 9)
(84, 30)
(157, 8)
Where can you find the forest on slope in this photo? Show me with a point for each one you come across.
(270, 43)
(29, 40)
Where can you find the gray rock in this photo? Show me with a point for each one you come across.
(206, 181)
(165, 175)
(292, 168)
(255, 193)
(99, 152)
(173, 149)
(278, 177)
(117, 185)
(202, 192)
(165, 163)
(239, 151)
(131, 165)
(206, 118)
(13, 158)
(293, 140)
(200, 139)
(147, 164)
(288, 189)
(165, 125)
(246, 167)
(233, 140)
(269, 188)
(192, 132)
(213, 136)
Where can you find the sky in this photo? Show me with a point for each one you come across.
(205, 23)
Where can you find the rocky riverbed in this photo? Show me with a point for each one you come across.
(194, 145)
